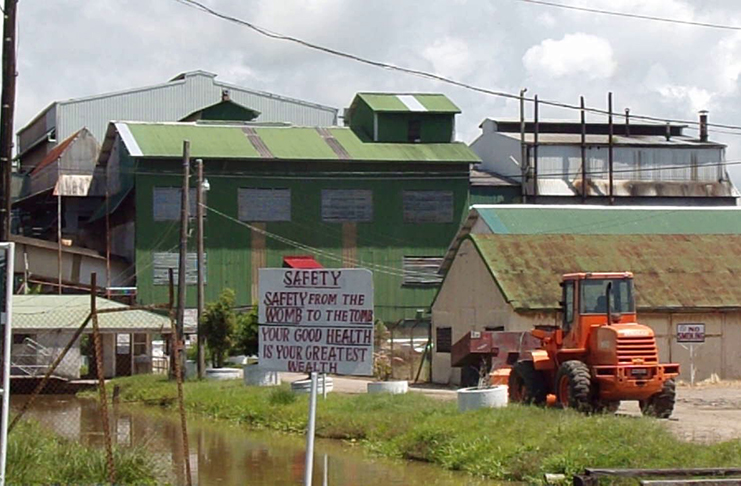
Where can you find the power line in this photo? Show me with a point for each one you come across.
(632, 15)
(423, 74)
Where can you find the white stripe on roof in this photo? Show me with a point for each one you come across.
(129, 140)
(411, 102)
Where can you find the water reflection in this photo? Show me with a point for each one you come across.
(225, 455)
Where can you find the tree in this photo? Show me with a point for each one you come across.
(246, 342)
(219, 324)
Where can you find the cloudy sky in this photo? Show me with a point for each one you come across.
(73, 48)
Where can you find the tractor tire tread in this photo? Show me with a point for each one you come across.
(661, 404)
(580, 384)
(533, 382)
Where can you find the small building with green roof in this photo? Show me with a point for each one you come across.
(363, 195)
(509, 281)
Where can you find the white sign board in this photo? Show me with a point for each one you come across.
(316, 320)
(691, 333)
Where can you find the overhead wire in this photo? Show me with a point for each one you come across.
(424, 74)
(632, 15)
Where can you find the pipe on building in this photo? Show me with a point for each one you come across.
(703, 126)
(668, 131)
(627, 122)
(536, 129)
(584, 187)
(609, 144)
(523, 148)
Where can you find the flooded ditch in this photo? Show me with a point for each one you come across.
(224, 455)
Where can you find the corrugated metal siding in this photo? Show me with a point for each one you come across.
(175, 100)
(382, 244)
(632, 163)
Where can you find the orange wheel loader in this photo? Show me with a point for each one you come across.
(599, 355)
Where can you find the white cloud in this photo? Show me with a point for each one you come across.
(576, 54)
(449, 57)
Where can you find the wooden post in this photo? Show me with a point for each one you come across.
(101, 380)
(7, 109)
(107, 239)
(184, 207)
(201, 363)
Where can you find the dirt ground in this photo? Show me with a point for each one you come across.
(708, 412)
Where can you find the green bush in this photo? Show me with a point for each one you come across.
(246, 337)
(219, 324)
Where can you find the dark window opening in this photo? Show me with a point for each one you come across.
(494, 328)
(444, 339)
(568, 306)
(414, 133)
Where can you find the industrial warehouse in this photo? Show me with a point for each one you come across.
(341, 243)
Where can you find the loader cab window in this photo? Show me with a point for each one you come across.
(568, 306)
(594, 301)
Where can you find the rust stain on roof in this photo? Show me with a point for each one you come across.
(55, 153)
(671, 271)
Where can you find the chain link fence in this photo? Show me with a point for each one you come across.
(402, 350)
(67, 344)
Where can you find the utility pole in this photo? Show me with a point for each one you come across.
(7, 107)
(180, 344)
(199, 237)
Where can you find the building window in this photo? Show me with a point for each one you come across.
(347, 205)
(444, 339)
(421, 271)
(166, 203)
(162, 262)
(414, 131)
(263, 205)
(428, 206)
(140, 344)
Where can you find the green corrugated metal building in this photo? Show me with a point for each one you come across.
(389, 200)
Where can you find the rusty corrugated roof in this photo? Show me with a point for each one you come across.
(55, 153)
(671, 271)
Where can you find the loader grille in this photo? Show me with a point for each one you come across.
(629, 348)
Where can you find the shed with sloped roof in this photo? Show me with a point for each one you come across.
(511, 282)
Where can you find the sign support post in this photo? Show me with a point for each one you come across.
(7, 250)
(691, 334)
(310, 431)
(316, 321)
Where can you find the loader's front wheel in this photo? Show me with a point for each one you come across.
(574, 386)
(526, 384)
(661, 405)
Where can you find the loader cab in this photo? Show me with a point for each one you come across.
(586, 295)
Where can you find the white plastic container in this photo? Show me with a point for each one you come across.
(256, 376)
(304, 386)
(397, 387)
(218, 374)
(474, 398)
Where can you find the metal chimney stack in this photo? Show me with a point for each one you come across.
(704, 126)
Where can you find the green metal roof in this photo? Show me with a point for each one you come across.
(394, 103)
(53, 312)
(594, 220)
(671, 271)
(281, 143)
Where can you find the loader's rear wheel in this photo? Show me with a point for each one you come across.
(526, 384)
(574, 386)
(661, 404)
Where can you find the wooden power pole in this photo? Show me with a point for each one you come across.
(201, 365)
(182, 282)
(7, 108)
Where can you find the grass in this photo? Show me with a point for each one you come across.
(516, 443)
(36, 456)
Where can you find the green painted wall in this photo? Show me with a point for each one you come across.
(382, 242)
(434, 128)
